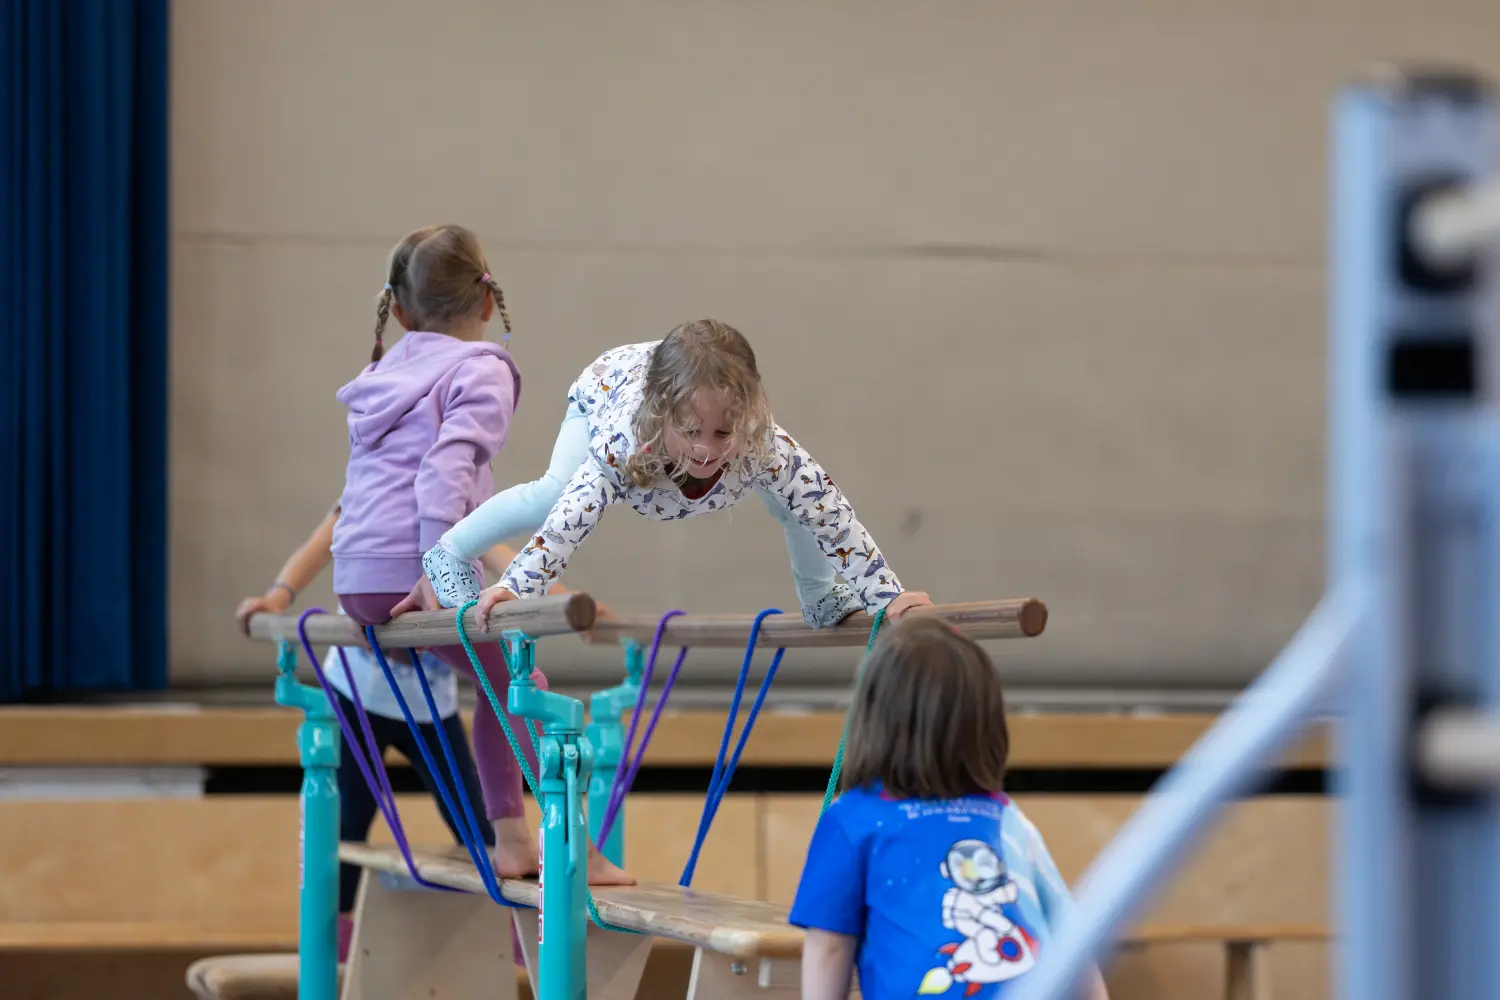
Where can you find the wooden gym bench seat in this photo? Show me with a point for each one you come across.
(140, 936)
(1246, 949)
(742, 948)
(246, 977)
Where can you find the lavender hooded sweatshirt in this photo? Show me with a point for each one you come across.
(424, 423)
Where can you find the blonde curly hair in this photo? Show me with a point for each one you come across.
(703, 354)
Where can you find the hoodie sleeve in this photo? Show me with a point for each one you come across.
(477, 409)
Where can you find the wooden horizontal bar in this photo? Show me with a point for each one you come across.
(143, 935)
(554, 615)
(1159, 934)
(1023, 617)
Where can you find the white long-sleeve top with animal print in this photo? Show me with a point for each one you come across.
(610, 394)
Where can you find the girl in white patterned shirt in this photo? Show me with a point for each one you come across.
(673, 429)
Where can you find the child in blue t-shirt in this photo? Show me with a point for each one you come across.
(923, 874)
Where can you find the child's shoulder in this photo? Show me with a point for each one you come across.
(855, 807)
(859, 805)
(1016, 816)
(1023, 833)
(486, 364)
(623, 357)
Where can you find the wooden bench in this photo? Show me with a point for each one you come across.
(742, 948)
(1246, 949)
(246, 977)
(274, 976)
(144, 935)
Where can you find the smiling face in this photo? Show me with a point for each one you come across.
(700, 438)
(702, 407)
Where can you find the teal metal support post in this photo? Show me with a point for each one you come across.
(565, 759)
(607, 736)
(318, 913)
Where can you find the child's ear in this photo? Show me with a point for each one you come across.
(399, 315)
(489, 305)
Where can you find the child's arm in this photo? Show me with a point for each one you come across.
(1056, 900)
(830, 907)
(544, 558)
(498, 559)
(827, 965)
(811, 499)
(524, 506)
(476, 418)
(825, 601)
(301, 568)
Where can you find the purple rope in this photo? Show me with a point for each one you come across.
(380, 788)
(625, 776)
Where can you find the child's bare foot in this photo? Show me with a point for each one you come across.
(604, 872)
(515, 849)
(516, 856)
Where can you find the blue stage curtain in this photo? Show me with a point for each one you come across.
(83, 297)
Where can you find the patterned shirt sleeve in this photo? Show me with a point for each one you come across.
(574, 515)
(818, 506)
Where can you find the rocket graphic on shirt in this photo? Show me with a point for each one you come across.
(994, 948)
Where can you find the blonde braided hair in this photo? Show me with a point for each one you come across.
(437, 275)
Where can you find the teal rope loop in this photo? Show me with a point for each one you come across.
(515, 746)
(489, 692)
(838, 758)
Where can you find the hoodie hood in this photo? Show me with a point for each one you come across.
(387, 389)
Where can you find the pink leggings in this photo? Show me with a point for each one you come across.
(499, 775)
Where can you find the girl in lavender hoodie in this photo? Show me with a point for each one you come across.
(425, 419)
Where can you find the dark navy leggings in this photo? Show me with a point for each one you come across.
(357, 808)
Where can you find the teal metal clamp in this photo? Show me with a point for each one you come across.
(607, 736)
(566, 763)
(318, 914)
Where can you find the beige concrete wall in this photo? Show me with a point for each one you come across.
(1039, 281)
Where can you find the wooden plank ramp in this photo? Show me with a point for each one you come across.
(742, 948)
(739, 928)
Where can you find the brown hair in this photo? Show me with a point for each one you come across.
(438, 275)
(928, 719)
(703, 354)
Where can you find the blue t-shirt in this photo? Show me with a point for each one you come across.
(948, 897)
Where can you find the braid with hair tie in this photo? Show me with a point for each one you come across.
(494, 287)
(382, 313)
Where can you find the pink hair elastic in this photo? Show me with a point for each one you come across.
(484, 278)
